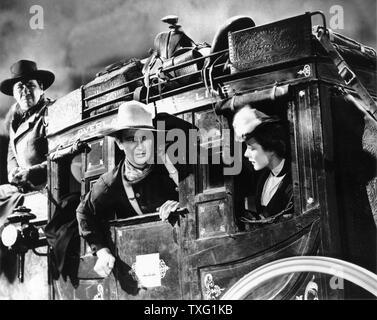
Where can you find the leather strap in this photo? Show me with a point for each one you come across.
(140, 93)
(348, 76)
(173, 172)
(131, 195)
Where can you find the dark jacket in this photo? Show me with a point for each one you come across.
(282, 196)
(63, 236)
(28, 143)
(107, 200)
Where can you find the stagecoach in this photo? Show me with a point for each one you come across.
(211, 251)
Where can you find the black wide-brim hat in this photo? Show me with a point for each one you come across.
(26, 70)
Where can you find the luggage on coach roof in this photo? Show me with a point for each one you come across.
(125, 72)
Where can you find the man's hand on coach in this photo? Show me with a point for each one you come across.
(105, 262)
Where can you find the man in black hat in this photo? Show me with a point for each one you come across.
(27, 167)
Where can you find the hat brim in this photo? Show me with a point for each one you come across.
(173, 122)
(112, 131)
(46, 77)
(170, 121)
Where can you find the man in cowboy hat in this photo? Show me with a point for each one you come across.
(27, 167)
(138, 185)
(267, 150)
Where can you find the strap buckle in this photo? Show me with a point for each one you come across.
(347, 75)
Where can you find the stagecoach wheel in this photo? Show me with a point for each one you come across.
(331, 266)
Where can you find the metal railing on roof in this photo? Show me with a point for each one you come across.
(157, 83)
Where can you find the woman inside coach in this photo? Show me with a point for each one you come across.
(267, 150)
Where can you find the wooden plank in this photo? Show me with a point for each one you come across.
(84, 131)
(225, 275)
(66, 111)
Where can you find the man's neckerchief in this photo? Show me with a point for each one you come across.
(133, 174)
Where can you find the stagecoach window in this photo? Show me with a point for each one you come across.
(210, 165)
(250, 185)
(118, 154)
(95, 157)
(69, 175)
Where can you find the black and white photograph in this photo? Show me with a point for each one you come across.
(194, 151)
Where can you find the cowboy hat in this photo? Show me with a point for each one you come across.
(26, 70)
(173, 122)
(247, 120)
(132, 115)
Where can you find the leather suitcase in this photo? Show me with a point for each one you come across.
(113, 76)
(287, 41)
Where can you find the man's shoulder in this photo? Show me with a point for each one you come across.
(159, 172)
(11, 112)
(107, 181)
(49, 102)
(44, 108)
(13, 117)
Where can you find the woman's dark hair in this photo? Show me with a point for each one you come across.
(272, 137)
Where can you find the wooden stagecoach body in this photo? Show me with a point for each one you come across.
(208, 250)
